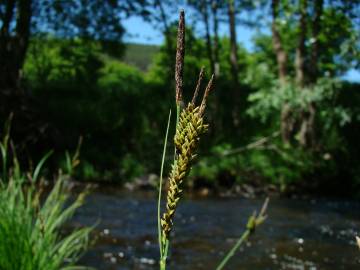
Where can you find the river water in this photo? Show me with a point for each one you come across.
(299, 233)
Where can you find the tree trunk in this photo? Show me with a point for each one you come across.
(280, 53)
(217, 119)
(167, 33)
(308, 136)
(9, 12)
(286, 119)
(7, 77)
(205, 15)
(234, 61)
(300, 49)
(318, 10)
(14, 40)
(214, 9)
(300, 73)
(13, 46)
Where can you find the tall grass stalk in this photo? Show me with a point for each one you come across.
(179, 66)
(190, 127)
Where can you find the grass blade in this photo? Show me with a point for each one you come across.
(160, 184)
(40, 165)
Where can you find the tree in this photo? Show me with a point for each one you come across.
(23, 21)
(20, 19)
(316, 53)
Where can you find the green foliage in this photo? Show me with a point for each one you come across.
(31, 222)
(56, 63)
(274, 163)
(211, 167)
(282, 166)
(289, 163)
(268, 102)
(88, 172)
(337, 29)
(118, 78)
(85, 92)
(131, 168)
(338, 40)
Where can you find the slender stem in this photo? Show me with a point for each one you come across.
(160, 185)
(164, 250)
(162, 264)
(178, 109)
(232, 251)
(164, 257)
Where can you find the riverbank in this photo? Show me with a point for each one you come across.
(201, 188)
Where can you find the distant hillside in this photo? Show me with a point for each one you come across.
(139, 55)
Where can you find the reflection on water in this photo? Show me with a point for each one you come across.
(299, 234)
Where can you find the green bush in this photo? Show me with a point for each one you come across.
(120, 78)
(273, 163)
(53, 63)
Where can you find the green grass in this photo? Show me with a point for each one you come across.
(31, 221)
(30, 237)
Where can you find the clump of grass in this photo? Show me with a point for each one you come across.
(31, 223)
(190, 126)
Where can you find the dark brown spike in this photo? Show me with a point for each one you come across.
(201, 76)
(180, 54)
(209, 87)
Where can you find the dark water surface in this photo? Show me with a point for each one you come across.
(299, 233)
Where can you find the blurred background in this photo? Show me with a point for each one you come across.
(284, 114)
(284, 109)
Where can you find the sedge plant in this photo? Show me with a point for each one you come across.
(190, 127)
(31, 221)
